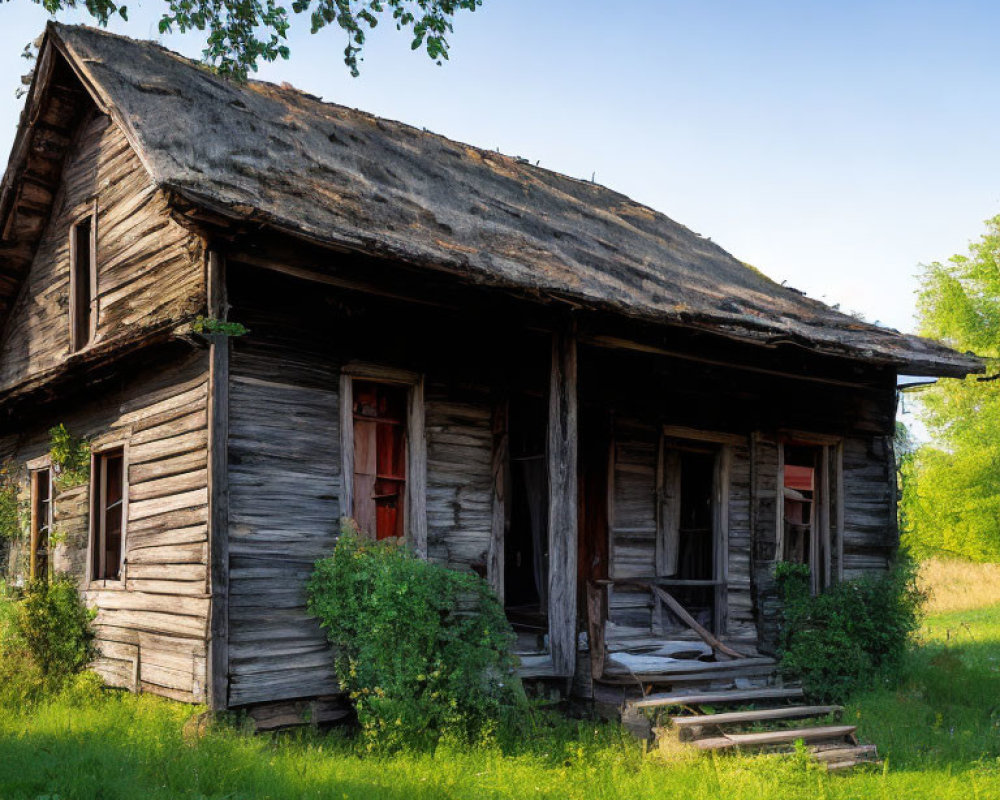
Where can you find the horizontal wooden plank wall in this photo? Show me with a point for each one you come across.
(764, 488)
(870, 530)
(741, 624)
(284, 490)
(459, 476)
(134, 232)
(633, 521)
(284, 504)
(152, 632)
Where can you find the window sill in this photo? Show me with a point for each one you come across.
(106, 586)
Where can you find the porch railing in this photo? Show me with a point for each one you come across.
(597, 602)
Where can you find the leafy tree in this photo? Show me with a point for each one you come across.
(243, 32)
(951, 496)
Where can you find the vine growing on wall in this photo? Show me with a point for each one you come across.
(70, 458)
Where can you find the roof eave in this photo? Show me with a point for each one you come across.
(946, 364)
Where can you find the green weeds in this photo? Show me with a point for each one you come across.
(937, 730)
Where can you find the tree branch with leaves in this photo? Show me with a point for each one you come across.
(951, 487)
(242, 33)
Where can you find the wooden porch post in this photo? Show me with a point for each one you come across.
(218, 490)
(562, 463)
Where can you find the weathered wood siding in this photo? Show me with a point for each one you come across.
(284, 490)
(284, 484)
(767, 602)
(870, 530)
(741, 623)
(151, 630)
(633, 520)
(150, 268)
(459, 476)
(285, 465)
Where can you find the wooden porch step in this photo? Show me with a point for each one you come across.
(838, 755)
(737, 717)
(767, 738)
(720, 698)
(691, 671)
(681, 666)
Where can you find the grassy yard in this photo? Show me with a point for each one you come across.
(939, 732)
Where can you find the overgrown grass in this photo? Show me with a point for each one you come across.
(939, 732)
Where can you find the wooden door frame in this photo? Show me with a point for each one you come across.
(721, 445)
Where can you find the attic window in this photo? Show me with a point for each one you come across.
(83, 283)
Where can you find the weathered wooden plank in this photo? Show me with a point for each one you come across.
(172, 486)
(191, 553)
(828, 732)
(162, 505)
(163, 621)
(759, 715)
(196, 607)
(218, 476)
(171, 586)
(562, 507)
(416, 458)
(687, 698)
(166, 467)
(165, 448)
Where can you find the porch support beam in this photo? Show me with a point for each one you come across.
(562, 467)
(218, 490)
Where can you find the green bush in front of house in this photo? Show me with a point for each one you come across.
(423, 651)
(851, 635)
(45, 639)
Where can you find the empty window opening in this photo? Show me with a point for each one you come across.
(379, 458)
(108, 496)
(690, 535)
(526, 544)
(83, 282)
(800, 500)
(41, 523)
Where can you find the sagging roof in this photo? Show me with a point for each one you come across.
(341, 177)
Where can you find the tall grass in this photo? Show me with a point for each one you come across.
(959, 585)
(938, 730)
(130, 747)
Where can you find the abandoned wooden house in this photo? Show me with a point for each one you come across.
(616, 423)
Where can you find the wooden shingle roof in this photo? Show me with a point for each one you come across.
(344, 178)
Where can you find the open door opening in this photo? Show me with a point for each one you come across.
(691, 536)
(593, 467)
(526, 545)
(805, 520)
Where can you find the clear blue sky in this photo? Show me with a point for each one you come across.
(836, 146)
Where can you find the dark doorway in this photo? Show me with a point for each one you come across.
(526, 545)
(689, 530)
(594, 459)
